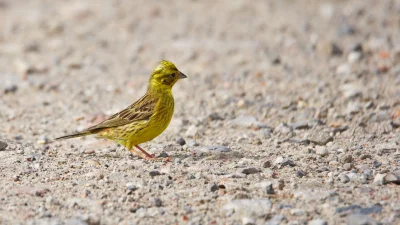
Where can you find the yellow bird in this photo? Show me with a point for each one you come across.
(145, 119)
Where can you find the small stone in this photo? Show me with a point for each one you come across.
(317, 222)
(343, 70)
(181, 141)
(248, 221)
(320, 137)
(360, 219)
(297, 212)
(354, 57)
(276, 220)
(380, 116)
(299, 125)
(392, 178)
(3, 145)
(322, 151)
(327, 48)
(379, 179)
(131, 186)
(283, 161)
(191, 131)
(282, 128)
(89, 151)
(281, 184)
(353, 108)
(346, 159)
(154, 173)
(345, 29)
(377, 164)
(251, 208)
(365, 156)
(213, 187)
(352, 176)
(344, 178)
(191, 143)
(215, 116)
(163, 155)
(212, 149)
(351, 90)
(266, 164)
(156, 202)
(267, 188)
(347, 166)
(246, 121)
(248, 171)
(300, 173)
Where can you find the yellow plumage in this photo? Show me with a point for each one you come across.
(146, 118)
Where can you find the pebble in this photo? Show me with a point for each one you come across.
(354, 57)
(379, 179)
(346, 159)
(215, 116)
(267, 164)
(322, 151)
(345, 29)
(300, 125)
(131, 186)
(343, 70)
(283, 161)
(156, 202)
(351, 90)
(344, 178)
(347, 166)
(181, 141)
(320, 137)
(250, 170)
(3, 145)
(251, 208)
(380, 116)
(267, 187)
(154, 173)
(212, 149)
(317, 222)
(359, 219)
(353, 108)
(300, 173)
(276, 220)
(297, 212)
(392, 178)
(191, 131)
(352, 176)
(246, 121)
(282, 128)
(248, 221)
(213, 187)
(327, 48)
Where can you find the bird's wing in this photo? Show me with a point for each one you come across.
(141, 110)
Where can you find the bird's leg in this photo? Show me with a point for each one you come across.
(148, 156)
(138, 153)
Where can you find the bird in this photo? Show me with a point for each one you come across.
(146, 118)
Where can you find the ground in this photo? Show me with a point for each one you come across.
(290, 113)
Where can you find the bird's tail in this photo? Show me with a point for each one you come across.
(80, 134)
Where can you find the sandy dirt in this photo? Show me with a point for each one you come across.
(290, 113)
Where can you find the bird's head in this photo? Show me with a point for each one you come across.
(165, 75)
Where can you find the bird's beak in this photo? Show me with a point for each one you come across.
(182, 76)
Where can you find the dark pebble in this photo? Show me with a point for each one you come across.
(154, 173)
(181, 141)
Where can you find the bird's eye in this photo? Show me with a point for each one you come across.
(172, 75)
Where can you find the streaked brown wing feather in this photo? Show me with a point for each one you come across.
(141, 110)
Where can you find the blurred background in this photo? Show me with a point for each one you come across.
(241, 54)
